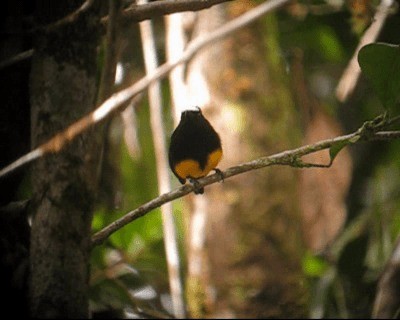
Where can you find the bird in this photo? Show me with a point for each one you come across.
(195, 149)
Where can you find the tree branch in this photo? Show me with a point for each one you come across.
(16, 59)
(69, 19)
(133, 13)
(291, 158)
(116, 102)
(139, 12)
(158, 8)
(107, 78)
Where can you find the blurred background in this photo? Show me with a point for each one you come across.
(277, 242)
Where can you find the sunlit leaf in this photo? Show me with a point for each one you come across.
(314, 266)
(329, 43)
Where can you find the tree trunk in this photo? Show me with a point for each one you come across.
(63, 88)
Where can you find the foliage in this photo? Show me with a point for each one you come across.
(344, 276)
(380, 62)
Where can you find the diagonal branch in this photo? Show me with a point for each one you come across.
(71, 18)
(133, 13)
(291, 158)
(116, 102)
(159, 8)
(16, 59)
(138, 12)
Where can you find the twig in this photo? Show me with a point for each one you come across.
(116, 101)
(135, 13)
(138, 13)
(164, 184)
(110, 52)
(289, 158)
(71, 18)
(15, 59)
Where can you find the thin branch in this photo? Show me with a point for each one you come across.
(133, 13)
(290, 158)
(16, 59)
(110, 52)
(66, 20)
(136, 12)
(71, 18)
(153, 9)
(386, 135)
(116, 102)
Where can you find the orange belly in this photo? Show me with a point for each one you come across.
(191, 168)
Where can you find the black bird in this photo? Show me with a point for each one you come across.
(195, 148)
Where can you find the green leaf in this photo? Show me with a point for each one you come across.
(338, 146)
(380, 63)
(335, 149)
(314, 266)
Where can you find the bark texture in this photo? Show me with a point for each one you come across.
(63, 88)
